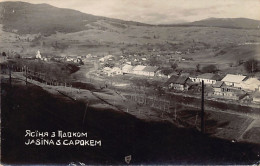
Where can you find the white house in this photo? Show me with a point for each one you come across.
(127, 69)
(250, 84)
(116, 71)
(105, 58)
(139, 70)
(233, 80)
(256, 97)
(107, 71)
(208, 78)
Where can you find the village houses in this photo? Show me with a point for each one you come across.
(180, 83)
(233, 80)
(208, 78)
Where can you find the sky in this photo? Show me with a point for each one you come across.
(161, 11)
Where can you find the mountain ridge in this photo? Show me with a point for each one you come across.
(27, 18)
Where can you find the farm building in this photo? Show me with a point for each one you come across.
(138, 70)
(217, 86)
(227, 92)
(208, 78)
(112, 71)
(233, 80)
(105, 58)
(178, 83)
(149, 70)
(127, 69)
(250, 84)
(116, 71)
(256, 97)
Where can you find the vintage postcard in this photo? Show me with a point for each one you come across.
(130, 82)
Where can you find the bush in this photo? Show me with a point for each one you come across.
(209, 69)
(167, 71)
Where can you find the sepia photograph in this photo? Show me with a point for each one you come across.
(130, 82)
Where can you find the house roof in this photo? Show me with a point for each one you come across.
(218, 84)
(150, 68)
(256, 95)
(233, 78)
(107, 69)
(139, 68)
(177, 80)
(127, 67)
(174, 73)
(185, 74)
(209, 76)
(252, 81)
(181, 80)
(116, 69)
(171, 79)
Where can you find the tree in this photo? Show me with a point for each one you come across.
(198, 67)
(153, 61)
(209, 69)
(3, 54)
(167, 71)
(251, 65)
(174, 66)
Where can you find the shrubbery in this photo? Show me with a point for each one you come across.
(209, 69)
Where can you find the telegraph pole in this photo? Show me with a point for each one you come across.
(10, 75)
(26, 75)
(202, 108)
(84, 117)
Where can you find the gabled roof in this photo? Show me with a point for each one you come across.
(256, 95)
(139, 68)
(233, 78)
(116, 69)
(251, 81)
(127, 67)
(107, 69)
(218, 84)
(177, 80)
(150, 69)
(181, 80)
(185, 74)
(209, 76)
(171, 79)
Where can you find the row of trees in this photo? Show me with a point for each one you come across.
(58, 71)
(250, 66)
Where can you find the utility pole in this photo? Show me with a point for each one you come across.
(26, 74)
(10, 75)
(202, 108)
(84, 117)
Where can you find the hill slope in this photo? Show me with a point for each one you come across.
(26, 18)
(243, 23)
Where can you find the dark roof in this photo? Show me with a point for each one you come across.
(210, 76)
(150, 69)
(181, 80)
(177, 80)
(218, 84)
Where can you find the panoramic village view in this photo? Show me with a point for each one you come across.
(186, 93)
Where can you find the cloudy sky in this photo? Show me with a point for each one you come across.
(161, 11)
